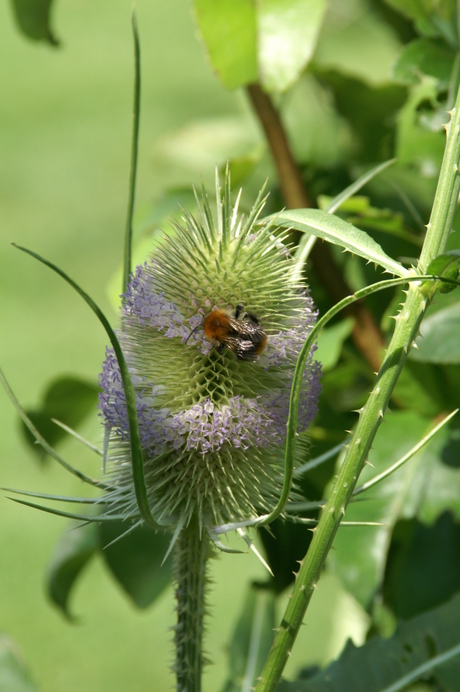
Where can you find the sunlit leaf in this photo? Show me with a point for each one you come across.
(356, 42)
(287, 32)
(228, 28)
(335, 230)
(380, 664)
(71, 555)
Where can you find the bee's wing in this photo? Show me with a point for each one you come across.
(246, 331)
(243, 349)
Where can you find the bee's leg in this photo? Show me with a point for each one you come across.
(253, 318)
(220, 348)
(238, 310)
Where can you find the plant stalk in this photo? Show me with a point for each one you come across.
(191, 554)
(366, 333)
(371, 415)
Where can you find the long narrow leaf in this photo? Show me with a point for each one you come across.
(406, 457)
(349, 191)
(134, 148)
(70, 515)
(136, 449)
(41, 440)
(307, 241)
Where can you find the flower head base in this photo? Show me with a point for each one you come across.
(212, 424)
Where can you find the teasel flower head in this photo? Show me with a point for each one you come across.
(212, 423)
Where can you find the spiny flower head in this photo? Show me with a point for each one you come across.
(212, 422)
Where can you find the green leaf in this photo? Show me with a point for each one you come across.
(14, 676)
(424, 57)
(447, 266)
(330, 342)
(439, 340)
(136, 560)
(354, 41)
(287, 31)
(228, 28)
(251, 641)
(285, 544)
(428, 643)
(422, 10)
(339, 232)
(270, 41)
(71, 555)
(423, 568)
(371, 112)
(424, 488)
(67, 399)
(33, 18)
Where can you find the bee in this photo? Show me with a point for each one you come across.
(241, 334)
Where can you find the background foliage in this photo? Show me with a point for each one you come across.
(356, 83)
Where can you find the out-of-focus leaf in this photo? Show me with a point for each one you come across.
(317, 133)
(380, 663)
(251, 641)
(135, 560)
(354, 41)
(151, 223)
(424, 488)
(330, 342)
(284, 545)
(287, 32)
(447, 266)
(72, 553)
(14, 676)
(33, 18)
(270, 41)
(242, 166)
(67, 399)
(371, 111)
(197, 147)
(422, 389)
(423, 568)
(418, 142)
(439, 340)
(339, 232)
(228, 28)
(424, 57)
(416, 9)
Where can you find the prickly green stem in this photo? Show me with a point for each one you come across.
(371, 415)
(191, 553)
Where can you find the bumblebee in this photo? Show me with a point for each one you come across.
(241, 334)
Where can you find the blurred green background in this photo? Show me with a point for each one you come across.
(65, 132)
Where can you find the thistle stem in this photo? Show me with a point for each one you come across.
(371, 415)
(191, 553)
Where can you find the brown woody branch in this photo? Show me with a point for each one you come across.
(366, 333)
